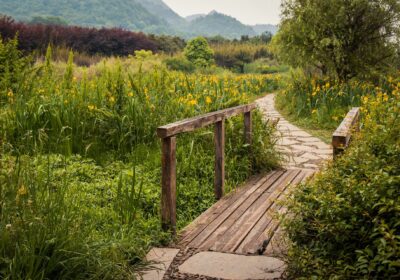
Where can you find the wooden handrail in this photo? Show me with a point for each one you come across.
(168, 134)
(342, 136)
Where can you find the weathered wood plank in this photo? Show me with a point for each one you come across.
(248, 130)
(244, 199)
(193, 229)
(219, 140)
(342, 136)
(267, 235)
(223, 223)
(168, 192)
(252, 243)
(202, 121)
(238, 229)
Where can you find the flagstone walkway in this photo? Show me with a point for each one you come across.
(300, 149)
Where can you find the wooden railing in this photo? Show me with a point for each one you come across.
(342, 136)
(168, 135)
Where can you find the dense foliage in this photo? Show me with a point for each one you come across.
(345, 224)
(344, 39)
(92, 41)
(199, 52)
(80, 160)
(235, 56)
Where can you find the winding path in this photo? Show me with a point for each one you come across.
(238, 237)
(300, 149)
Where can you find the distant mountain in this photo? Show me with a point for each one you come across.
(161, 10)
(193, 17)
(261, 28)
(150, 16)
(216, 23)
(129, 14)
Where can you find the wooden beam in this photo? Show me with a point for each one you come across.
(342, 136)
(219, 140)
(248, 129)
(202, 121)
(168, 192)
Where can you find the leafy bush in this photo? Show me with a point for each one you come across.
(345, 224)
(199, 52)
(180, 64)
(12, 65)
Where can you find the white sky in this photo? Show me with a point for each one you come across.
(247, 11)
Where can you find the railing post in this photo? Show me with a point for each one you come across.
(219, 140)
(168, 192)
(248, 129)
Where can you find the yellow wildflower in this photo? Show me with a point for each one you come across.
(22, 190)
(91, 107)
(385, 97)
(10, 94)
(208, 100)
(111, 99)
(193, 102)
(130, 94)
(314, 111)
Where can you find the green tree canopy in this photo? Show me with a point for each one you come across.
(343, 38)
(199, 52)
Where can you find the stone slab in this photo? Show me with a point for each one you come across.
(162, 259)
(235, 267)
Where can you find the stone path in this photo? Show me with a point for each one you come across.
(300, 149)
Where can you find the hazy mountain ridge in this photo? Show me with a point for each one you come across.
(216, 23)
(261, 28)
(151, 16)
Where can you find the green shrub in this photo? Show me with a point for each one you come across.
(180, 64)
(199, 52)
(13, 65)
(345, 224)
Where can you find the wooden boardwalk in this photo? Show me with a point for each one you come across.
(243, 222)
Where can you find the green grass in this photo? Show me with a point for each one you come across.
(81, 164)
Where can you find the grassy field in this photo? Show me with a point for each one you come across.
(80, 176)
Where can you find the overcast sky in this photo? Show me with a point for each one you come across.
(247, 11)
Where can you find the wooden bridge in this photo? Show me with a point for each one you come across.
(242, 222)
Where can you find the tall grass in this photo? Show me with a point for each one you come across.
(323, 103)
(80, 162)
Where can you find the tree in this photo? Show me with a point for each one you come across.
(342, 38)
(199, 52)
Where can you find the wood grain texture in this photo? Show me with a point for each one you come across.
(219, 141)
(197, 122)
(211, 219)
(234, 211)
(248, 129)
(168, 191)
(342, 136)
(242, 221)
